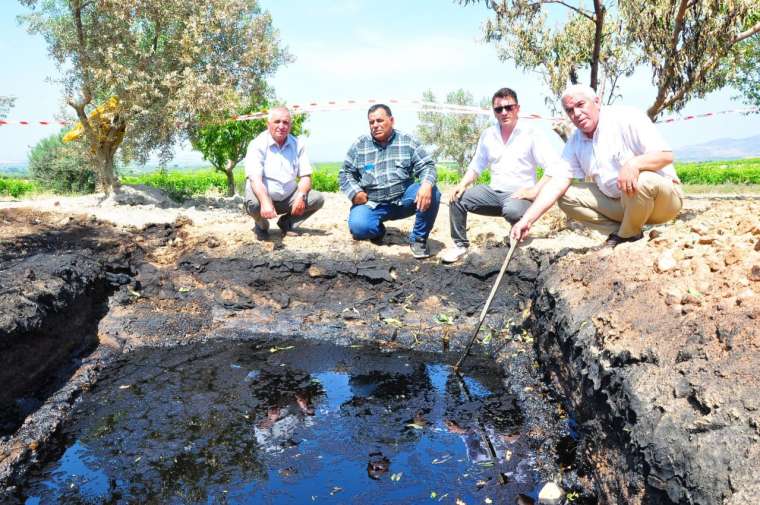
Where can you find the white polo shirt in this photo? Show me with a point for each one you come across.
(622, 133)
(277, 166)
(513, 164)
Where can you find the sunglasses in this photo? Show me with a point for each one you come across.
(508, 108)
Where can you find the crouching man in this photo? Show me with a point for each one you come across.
(278, 178)
(634, 182)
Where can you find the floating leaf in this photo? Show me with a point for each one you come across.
(397, 476)
(393, 322)
(460, 501)
(277, 348)
(184, 290)
(442, 459)
(433, 494)
(335, 490)
(125, 386)
(444, 318)
(488, 500)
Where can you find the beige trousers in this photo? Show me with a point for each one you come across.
(657, 200)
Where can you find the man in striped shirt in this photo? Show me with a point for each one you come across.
(379, 177)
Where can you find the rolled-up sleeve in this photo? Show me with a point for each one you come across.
(479, 162)
(424, 166)
(571, 168)
(254, 160)
(304, 165)
(546, 157)
(349, 176)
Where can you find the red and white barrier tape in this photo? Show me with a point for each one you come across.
(414, 105)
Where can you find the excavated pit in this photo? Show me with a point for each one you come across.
(169, 302)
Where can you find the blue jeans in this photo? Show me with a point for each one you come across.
(365, 222)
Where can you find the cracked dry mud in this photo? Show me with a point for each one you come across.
(652, 347)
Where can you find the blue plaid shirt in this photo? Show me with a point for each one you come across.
(384, 173)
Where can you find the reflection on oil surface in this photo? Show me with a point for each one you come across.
(299, 422)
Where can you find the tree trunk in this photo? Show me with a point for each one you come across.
(230, 166)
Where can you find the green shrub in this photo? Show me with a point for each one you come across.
(16, 187)
(181, 185)
(720, 172)
(62, 168)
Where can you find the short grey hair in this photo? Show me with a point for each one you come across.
(586, 92)
(270, 114)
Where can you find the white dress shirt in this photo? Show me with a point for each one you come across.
(513, 163)
(622, 133)
(277, 166)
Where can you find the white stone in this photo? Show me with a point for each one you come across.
(665, 261)
(550, 494)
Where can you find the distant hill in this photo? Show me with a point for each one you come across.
(720, 149)
(14, 169)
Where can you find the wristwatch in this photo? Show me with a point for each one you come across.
(304, 197)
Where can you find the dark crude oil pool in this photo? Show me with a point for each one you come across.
(296, 422)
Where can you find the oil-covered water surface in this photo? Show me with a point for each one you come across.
(296, 422)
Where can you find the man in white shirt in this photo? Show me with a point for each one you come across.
(273, 162)
(634, 182)
(513, 152)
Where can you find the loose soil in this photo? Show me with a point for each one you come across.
(652, 347)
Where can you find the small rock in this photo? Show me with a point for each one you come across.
(550, 494)
(754, 273)
(706, 240)
(212, 243)
(654, 234)
(734, 255)
(699, 229)
(691, 299)
(757, 245)
(673, 296)
(745, 297)
(665, 262)
(682, 388)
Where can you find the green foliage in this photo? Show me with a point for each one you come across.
(452, 136)
(720, 172)
(62, 168)
(16, 187)
(224, 143)
(181, 185)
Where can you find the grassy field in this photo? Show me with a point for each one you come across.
(739, 176)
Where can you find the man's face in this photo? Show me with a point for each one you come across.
(380, 125)
(583, 112)
(506, 111)
(279, 125)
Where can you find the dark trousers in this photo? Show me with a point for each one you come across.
(484, 201)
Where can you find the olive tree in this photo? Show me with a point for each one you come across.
(685, 43)
(162, 63)
(452, 136)
(224, 141)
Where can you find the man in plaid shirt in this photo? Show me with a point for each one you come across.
(378, 177)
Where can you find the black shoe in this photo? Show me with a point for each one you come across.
(261, 233)
(420, 249)
(286, 226)
(615, 240)
(379, 240)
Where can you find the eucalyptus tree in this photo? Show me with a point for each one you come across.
(452, 136)
(6, 104)
(150, 67)
(685, 43)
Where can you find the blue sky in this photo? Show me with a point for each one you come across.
(356, 49)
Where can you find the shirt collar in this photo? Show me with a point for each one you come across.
(272, 142)
(390, 140)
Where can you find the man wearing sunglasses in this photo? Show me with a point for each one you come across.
(513, 151)
(634, 182)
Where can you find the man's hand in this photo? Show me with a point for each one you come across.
(525, 194)
(520, 230)
(267, 210)
(457, 192)
(360, 198)
(424, 196)
(628, 178)
(299, 206)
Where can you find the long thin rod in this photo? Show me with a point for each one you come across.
(512, 247)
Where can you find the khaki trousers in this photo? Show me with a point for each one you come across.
(657, 200)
